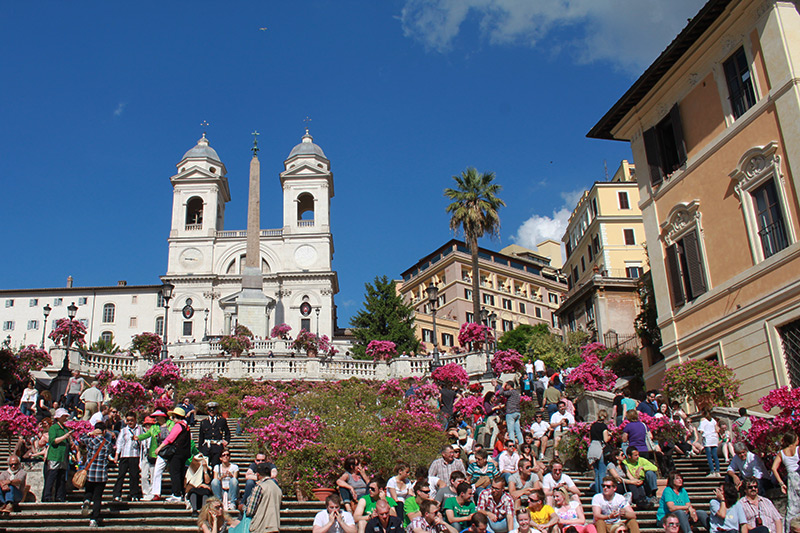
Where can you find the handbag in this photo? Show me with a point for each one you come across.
(168, 452)
(79, 477)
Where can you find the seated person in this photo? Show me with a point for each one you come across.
(611, 510)
(481, 473)
(456, 478)
(458, 511)
(12, 484)
(746, 464)
(430, 520)
(333, 518)
(758, 510)
(524, 482)
(557, 479)
(411, 505)
(251, 478)
(477, 524)
(498, 506)
(642, 479)
(543, 517)
(383, 521)
(540, 429)
(570, 514)
(675, 501)
(365, 510)
(727, 514)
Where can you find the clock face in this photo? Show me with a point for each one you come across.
(191, 258)
(305, 256)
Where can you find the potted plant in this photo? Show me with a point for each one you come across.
(280, 331)
(68, 329)
(147, 344)
(381, 350)
(451, 374)
(706, 382)
(474, 335)
(313, 344)
(507, 362)
(235, 344)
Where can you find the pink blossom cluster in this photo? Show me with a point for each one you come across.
(391, 387)
(381, 350)
(282, 435)
(29, 359)
(79, 427)
(471, 332)
(235, 344)
(507, 362)
(147, 344)
(415, 417)
(64, 326)
(275, 403)
(280, 331)
(162, 373)
(765, 435)
(104, 377)
(451, 374)
(592, 350)
(129, 392)
(308, 341)
(15, 424)
(590, 374)
(468, 405)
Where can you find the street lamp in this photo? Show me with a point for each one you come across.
(46, 309)
(433, 299)
(205, 327)
(316, 311)
(72, 310)
(485, 322)
(166, 294)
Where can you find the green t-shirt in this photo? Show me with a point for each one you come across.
(370, 505)
(459, 511)
(57, 452)
(410, 505)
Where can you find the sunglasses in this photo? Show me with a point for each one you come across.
(609, 487)
(536, 501)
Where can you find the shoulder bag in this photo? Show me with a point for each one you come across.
(79, 478)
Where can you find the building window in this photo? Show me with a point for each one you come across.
(664, 147)
(159, 299)
(441, 300)
(194, 213)
(109, 311)
(134, 298)
(521, 308)
(630, 237)
(590, 254)
(134, 322)
(623, 200)
(33, 302)
(685, 269)
(84, 321)
(507, 304)
(470, 318)
(468, 294)
(488, 299)
(187, 328)
(740, 83)
(589, 307)
(571, 321)
(771, 229)
(574, 275)
(508, 325)
(57, 301)
(9, 303)
(634, 272)
(554, 320)
(596, 244)
(82, 300)
(426, 309)
(305, 323)
(107, 336)
(427, 335)
(538, 312)
(33, 324)
(790, 339)
(552, 298)
(159, 326)
(448, 339)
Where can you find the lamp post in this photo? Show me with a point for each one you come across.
(59, 385)
(166, 294)
(316, 311)
(485, 322)
(433, 299)
(72, 310)
(46, 310)
(205, 327)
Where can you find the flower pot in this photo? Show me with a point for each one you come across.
(311, 352)
(321, 494)
(704, 401)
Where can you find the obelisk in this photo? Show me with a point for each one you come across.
(252, 302)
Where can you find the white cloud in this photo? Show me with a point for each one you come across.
(627, 33)
(120, 109)
(541, 227)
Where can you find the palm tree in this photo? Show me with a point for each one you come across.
(474, 212)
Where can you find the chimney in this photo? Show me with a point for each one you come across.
(121, 283)
(69, 282)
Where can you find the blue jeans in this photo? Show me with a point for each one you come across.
(12, 495)
(249, 485)
(713, 458)
(599, 473)
(233, 491)
(650, 483)
(500, 526)
(513, 427)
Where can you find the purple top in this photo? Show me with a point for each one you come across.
(637, 436)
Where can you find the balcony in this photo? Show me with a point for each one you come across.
(194, 227)
(773, 238)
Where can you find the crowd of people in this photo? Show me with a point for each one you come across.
(499, 473)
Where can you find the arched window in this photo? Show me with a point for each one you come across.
(305, 207)
(160, 326)
(108, 313)
(194, 213)
(107, 336)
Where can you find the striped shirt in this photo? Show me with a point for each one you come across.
(127, 443)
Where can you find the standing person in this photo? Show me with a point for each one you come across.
(157, 433)
(628, 403)
(708, 429)
(12, 483)
(99, 448)
(551, 397)
(610, 508)
(788, 457)
(741, 425)
(598, 437)
(264, 506)
(332, 519)
(448, 396)
(57, 459)
(28, 399)
(635, 433)
(43, 405)
(214, 434)
(725, 441)
(127, 457)
(226, 479)
(190, 409)
(75, 387)
(512, 396)
(180, 437)
(148, 456)
(91, 398)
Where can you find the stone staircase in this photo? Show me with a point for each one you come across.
(295, 516)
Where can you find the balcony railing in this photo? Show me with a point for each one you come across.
(773, 238)
(305, 223)
(194, 227)
(243, 233)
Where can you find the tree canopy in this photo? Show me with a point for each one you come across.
(519, 337)
(385, 317)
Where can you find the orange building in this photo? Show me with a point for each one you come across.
(713, 127)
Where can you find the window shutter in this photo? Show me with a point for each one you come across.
(677, 130)
(694, 263)
(653, 156)
(674, 274)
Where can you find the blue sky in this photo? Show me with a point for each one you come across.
(101, 99)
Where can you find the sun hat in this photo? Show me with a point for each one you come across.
(149, 420)
(178, 411)
(61, 412)
(158, 412)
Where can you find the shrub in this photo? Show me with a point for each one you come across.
(280, 331)
(235, 344)
(507, 362)
(471, 333)
(30, 359)
(148, 345)
(381, 350)
(451, 374)
(162, 373)
(64, 326)
(701, 380)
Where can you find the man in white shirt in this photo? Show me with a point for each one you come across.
(560, 420)
(746, 464)
(557, 479)
(507, 461)
(99, 415)
(609, 508)
(332, 519)
(91, 398)
(540, 429)
(127, 457)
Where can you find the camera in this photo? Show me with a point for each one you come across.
(524, 502)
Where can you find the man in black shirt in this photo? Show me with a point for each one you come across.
(214, 435)
(384, 522)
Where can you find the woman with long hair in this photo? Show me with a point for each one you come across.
(788, 457)
(598, 437)
(352, 483)
(213, 518)
(571, 518)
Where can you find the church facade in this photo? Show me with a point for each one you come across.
(205, 263)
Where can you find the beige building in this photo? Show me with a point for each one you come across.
(713, 129)
(517, 284)
(605, 258)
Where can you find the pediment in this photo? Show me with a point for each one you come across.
(305, 170)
